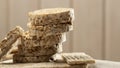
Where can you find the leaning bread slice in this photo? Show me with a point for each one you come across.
(77, 58)
(49, 29)
(6, 43)
(51, 16)
(12, 51)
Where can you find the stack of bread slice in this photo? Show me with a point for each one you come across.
(47, 32)
(43, 41)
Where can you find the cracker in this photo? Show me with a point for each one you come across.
(77, 58)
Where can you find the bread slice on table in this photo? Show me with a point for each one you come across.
(6, 43)
(51, 16)
(31, 59)
(38, 50)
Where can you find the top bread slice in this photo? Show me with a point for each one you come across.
(51, 16)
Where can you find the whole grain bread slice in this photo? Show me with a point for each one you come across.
(51, 16)
(49, 29)
(34, 59)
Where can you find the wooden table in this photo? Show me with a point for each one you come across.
(10, 64)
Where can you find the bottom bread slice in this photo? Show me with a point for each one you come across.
(34, 59)
(38, 50)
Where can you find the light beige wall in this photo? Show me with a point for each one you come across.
(96, 25)
(87, 35)
(112, 29)
(3, 18)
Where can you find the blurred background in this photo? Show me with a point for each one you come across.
(96, 26)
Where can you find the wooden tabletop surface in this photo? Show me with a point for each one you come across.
(10, 64)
